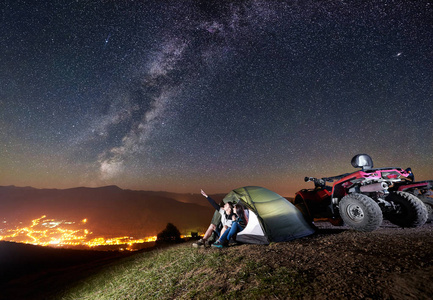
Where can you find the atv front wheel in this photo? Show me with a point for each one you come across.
(360, 212)
(409, 210)
(303, 209)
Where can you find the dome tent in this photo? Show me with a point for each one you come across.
(271, 217)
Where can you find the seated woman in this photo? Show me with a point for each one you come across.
(237, 226)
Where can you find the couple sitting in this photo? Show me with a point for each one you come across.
(232, 219)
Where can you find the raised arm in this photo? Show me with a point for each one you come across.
(211, 201)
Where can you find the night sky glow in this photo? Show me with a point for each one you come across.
(183, 95)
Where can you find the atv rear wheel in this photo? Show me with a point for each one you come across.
(429, 212)
(360, 212)
(409, 211)
(428, 202)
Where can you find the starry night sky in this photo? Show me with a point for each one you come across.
(183, 95)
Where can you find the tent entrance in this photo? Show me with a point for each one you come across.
(253, 233)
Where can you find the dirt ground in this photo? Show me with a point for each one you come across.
(389, 263)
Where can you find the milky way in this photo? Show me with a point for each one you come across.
(186, 95)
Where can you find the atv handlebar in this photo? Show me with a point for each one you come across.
(322, 181)
(317, 181)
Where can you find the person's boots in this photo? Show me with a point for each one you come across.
(200, 243)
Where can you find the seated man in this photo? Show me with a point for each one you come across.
(223, 216)
(212, 233)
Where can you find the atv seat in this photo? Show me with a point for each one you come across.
(363, 161)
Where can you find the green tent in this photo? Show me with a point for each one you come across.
(272, 218)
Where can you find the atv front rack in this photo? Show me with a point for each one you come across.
(321, 182)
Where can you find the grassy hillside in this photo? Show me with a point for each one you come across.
(335, 263)
(17, 260)
(389, 263)
(184, 272)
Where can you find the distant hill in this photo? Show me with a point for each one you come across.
(188, 198)
(110, 210)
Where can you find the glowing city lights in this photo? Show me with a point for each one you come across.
(50, 232)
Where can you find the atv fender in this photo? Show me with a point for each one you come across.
(405, 187)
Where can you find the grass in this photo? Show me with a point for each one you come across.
(183, 272)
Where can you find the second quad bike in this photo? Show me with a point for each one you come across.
(362, 199)
(423, 190)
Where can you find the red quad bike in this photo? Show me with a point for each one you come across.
(361, 199)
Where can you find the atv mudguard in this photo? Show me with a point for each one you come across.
(422, 185)
(317, 200)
